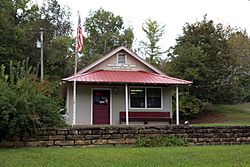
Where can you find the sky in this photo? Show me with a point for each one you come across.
(171, 13)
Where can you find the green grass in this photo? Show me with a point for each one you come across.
(236, 155)
(233, 115)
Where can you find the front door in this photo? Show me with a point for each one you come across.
(101, 106)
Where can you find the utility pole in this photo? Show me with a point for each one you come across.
(39, 44)
(41, 33)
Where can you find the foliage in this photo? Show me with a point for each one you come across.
(161, 141)
(60, 63)
(105, 31)
(154, 33)
(189, 106)
(19, 24)
(26, 104)
(239, 44)
(59, 45)
(203, 55)
(14, 16)
(57, 18)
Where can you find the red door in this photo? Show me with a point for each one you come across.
(101, 106)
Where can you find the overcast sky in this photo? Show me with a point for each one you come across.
(171, 13)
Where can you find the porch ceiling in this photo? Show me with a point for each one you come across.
(114, 76)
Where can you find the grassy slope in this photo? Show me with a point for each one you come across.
(171, 156)
(238, 114)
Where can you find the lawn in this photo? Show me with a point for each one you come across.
(236, 155)
(225, 115)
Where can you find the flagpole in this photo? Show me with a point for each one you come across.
(79, 44)
(74, 90)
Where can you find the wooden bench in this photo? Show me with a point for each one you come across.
(145, 116)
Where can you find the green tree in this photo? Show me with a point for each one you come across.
(60, 62)
(105, 31)
(14, 16)
(58, 43)
(239, 44)
(57, 18)
(154, 33)
(202, 56)
(17, 41)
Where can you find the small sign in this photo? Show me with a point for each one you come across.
(121, 66)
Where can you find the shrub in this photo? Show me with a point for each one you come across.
(189, 106)
(24, 108)
(161, 141)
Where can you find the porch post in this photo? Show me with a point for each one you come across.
(126, 102)
(74, 103)
(177, 105)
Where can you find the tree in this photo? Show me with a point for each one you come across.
(154, 33)
(239, 44)
(105, 31)
(57, 18)
(17, 41)
(59, 49)
(14, 16)
(60, 62)
(202, 56)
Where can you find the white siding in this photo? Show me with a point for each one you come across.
(83, 105)
(130, 60)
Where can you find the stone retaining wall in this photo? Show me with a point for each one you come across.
(127, 135)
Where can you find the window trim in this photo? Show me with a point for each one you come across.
(146, 106)
(118, 54)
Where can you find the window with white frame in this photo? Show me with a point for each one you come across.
(137, 97)
(145, 97)
(153, 97)
(121, 58)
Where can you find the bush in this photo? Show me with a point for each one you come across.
(161, 141)
(189, 106)
(25, 106)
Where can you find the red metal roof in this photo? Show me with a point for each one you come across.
(112, 76)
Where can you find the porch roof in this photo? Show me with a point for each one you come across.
(112, 76)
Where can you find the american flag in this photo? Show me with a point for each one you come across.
(79, 36)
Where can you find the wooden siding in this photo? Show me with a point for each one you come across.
(130, 60)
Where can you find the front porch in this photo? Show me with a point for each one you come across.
(114, 104)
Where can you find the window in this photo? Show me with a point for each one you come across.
(137, 97)
(145, 97)
(121, 58)
(101, 97)
(154, 98)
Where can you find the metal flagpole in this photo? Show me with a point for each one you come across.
(74, 90)
(79, 43)
(74, 84)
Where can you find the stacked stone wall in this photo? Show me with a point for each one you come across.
(127, 135)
